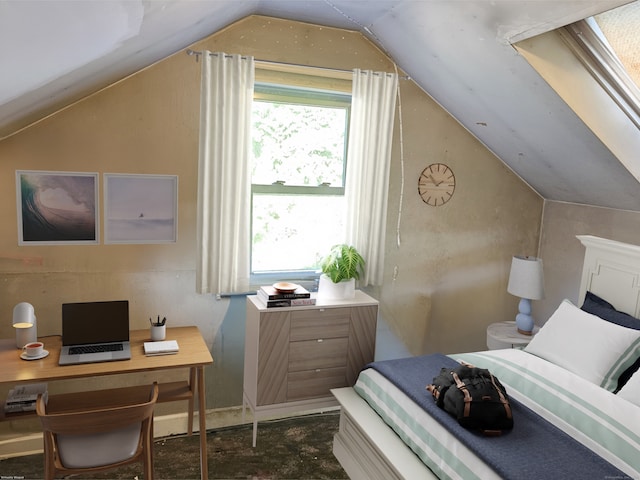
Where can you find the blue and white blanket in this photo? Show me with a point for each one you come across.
(600, 421)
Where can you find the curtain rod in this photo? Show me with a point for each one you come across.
(293, 65)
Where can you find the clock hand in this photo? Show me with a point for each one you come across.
(435, 182)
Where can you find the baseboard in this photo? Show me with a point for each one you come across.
(163, 426)
(19, 446)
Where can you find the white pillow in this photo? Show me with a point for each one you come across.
(597, 350)
(631, 390)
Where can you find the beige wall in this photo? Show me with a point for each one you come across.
(444, 282)
(563, 253)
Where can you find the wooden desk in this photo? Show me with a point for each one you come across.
(193, 354)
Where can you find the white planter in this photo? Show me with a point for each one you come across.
(344, 290)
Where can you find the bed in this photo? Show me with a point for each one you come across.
(571, 390)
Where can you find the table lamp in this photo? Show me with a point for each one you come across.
(526, 282)
(24, 321)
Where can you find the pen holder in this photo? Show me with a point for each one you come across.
(158, 332)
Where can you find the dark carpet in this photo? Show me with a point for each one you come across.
(290, 449)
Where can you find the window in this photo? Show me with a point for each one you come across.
(609, 47)
(299, 138)
(620, 28)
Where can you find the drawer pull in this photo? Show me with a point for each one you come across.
(320, 340)
(318, 370)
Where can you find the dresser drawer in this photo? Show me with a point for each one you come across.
(315, 383)
(314, 354)
(321, 323)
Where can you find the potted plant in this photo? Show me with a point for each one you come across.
(340, 270)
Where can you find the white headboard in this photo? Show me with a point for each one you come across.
(611, 270)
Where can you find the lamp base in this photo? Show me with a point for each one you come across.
(25, 335)
(524, 320)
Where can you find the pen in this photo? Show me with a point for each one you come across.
(158, 323)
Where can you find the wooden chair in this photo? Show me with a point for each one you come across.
(85, 435)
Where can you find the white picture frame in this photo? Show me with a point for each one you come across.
(140, 208)
(57, 208)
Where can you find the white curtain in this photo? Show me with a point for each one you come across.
(224, 183)
(368, 159)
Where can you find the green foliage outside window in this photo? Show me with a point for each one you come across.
(299, 147)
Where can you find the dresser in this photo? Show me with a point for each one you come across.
(294, 356)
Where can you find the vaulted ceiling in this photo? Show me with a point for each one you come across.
(459, 52)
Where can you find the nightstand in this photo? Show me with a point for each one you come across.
(505, 335)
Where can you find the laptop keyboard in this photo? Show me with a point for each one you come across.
(110, 347)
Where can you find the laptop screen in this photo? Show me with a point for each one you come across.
(95, 322)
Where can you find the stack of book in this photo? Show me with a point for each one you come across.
(23, 398)
(271, 297)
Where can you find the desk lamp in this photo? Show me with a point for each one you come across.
(24, 321)
(526, 281)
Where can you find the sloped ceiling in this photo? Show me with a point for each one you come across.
(459, 52)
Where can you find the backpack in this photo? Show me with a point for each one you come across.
(474, 397)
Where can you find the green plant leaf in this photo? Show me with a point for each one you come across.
(343, 263)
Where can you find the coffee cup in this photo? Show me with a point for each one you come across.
(33, 349)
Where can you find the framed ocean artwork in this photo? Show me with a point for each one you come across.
(57, 208)
(140, 208)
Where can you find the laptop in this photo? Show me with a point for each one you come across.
(95, 332)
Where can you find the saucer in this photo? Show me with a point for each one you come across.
(285, 287)
(24, 355)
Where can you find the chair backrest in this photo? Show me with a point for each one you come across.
(126, 429)
(96, 420)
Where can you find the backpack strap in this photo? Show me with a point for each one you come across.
(467, 396)
(434, 391)
(503, 400)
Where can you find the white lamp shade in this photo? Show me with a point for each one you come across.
(526, 279)
(24, 321)
(23, 315)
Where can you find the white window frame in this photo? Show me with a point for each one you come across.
(588, 43)
(312, 97)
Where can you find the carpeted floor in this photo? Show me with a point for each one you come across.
(290, 449)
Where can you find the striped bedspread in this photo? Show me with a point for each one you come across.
(605, 424)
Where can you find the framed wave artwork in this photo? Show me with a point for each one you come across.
(57, 208)
(140, 208)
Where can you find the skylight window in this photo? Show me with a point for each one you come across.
(608, 45)
(621, 29)
(587, 70)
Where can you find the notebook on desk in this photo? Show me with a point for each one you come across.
(95, 332)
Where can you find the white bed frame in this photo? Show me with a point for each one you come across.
(368, 449)
(612, 270)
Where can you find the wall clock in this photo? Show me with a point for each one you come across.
(436, 184)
